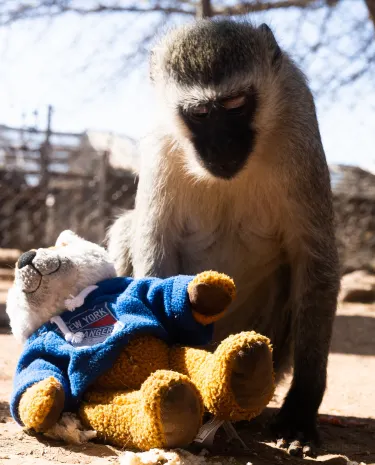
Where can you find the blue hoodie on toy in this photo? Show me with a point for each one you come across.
(76, 347)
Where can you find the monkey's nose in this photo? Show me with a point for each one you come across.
(26, 258)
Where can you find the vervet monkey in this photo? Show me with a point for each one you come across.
(235, 179)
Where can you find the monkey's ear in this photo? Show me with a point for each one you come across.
(271, 44)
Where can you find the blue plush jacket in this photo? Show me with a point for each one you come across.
(153, 306)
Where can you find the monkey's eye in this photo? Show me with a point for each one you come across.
(234, 103)
(200, 111)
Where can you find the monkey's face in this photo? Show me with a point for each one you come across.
(218, 77)
(222, 132)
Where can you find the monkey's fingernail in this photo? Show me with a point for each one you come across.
(281, 443)
(295, 449)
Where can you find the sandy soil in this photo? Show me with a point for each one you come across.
(347, 413)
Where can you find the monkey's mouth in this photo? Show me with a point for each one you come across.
(226, 170)
(225, 155)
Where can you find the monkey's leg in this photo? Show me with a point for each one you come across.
(166, 412)
(236, 381)
(314, 291)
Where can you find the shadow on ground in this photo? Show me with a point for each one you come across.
(351, 438)
(354, 440)
(354, 334)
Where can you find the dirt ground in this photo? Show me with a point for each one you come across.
(347, 420)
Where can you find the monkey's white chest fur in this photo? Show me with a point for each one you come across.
(235, 236)
(237, 250)
(244, 248)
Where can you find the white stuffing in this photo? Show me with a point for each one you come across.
(70, 430)
(163, 457)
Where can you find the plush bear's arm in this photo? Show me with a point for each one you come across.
(41, 404)
(29, 375)
(169, 305)
(210, 294)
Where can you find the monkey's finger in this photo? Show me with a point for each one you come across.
(309, 450)
(295, 449)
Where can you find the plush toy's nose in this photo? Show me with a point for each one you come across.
(26, 258)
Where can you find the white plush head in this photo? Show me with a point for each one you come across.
(45, 278)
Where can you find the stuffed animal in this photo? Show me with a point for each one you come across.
(126, 354)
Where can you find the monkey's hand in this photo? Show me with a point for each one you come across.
(296, 432)
(210, 294)
(41, 404)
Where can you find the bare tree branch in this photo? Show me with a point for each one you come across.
(344, 32)
(48, 8)
(257, 6)
(52, 8)
(204, 9)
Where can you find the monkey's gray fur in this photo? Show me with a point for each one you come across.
(268, 224)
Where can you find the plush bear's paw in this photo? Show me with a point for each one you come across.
(180, 415)
(166, 412)
(210, 293)
(41, 404)
(239, 382)
(175, 400)
(252, 375)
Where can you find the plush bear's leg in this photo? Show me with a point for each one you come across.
(141, 357)
(236, 381)
(41, 404)
(166, 412)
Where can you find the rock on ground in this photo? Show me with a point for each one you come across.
(358, 286)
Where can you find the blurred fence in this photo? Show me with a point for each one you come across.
(53, 181)
(50, 182)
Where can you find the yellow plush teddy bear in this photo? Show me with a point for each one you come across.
(126, 353)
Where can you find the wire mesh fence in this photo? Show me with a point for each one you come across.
(50, 182)
(53, 181)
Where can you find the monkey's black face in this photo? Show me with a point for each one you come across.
(222, 133)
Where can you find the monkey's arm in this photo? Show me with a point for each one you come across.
(143, 241)
(154, 245)
(315, 283)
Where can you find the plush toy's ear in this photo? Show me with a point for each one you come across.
(67, 237)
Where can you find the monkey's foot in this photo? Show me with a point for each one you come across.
(210, 293)
(41, 404)
(296, 431)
